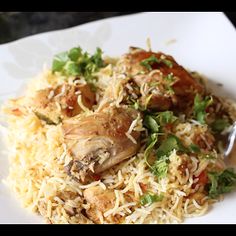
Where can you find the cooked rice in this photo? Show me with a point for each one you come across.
(38, 156)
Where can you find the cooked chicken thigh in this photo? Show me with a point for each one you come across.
(160, 76)
(45, 102)
(100, 141)
(100, 201)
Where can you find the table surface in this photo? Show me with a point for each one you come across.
(15, 25)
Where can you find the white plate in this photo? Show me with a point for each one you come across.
(205, 42)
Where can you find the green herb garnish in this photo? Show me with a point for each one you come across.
(166, 117)
(149, 61)
(75, 62)
(75, 53)
(222, 182)
(152, 60)
(153, 127)
(151, 143)
(167, 62)
(150, 198)
(194, 148)
(160, 167)
(59, 61)
(47, 119)
(172, 142)
(151, 123)
(72, 69)
(169, 79)
(219, 125)
(200, 106)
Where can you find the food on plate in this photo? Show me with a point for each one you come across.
(52, 104)
(138, 139)
(100, 141)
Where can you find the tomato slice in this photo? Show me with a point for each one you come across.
(202, 179)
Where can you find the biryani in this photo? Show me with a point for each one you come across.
(129, 140)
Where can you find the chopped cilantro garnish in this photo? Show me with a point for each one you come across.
(152, 59)
(149, 61)
(219, 125)
(151, 143)
(222, 182)
(166, 117)
(169, 79)
(75, 53)
(194, 148)
(75, 62)
(172, 142)
(160, 167)
(150, 198)
(71, 69)
(151, 124)
(200, 106)
(59, 61)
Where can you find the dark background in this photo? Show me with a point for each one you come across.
(15, 25)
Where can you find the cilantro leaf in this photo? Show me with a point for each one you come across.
(222, 182)
(75, 62)
(149, 61)
(169, 78)
(166, 117)
(72, 69)
(152, 59)
(151, 124)
(97, 58)
(200, 106)
(160, 167)
(194, 148)
(150, 198)
(75, 53)
(172, 142)
(219, 125)
(151, 143)
(59, 61)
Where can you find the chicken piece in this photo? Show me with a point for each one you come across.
(184, 85)
(68, 101)
(99, 141)
(100, 201)
(44, 108)
(44, 103)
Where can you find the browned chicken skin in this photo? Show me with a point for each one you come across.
(45, 107)
(100, 200)
(184, 87)
(99, 141)
(69, 99)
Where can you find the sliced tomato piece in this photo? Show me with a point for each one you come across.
(202, 179)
